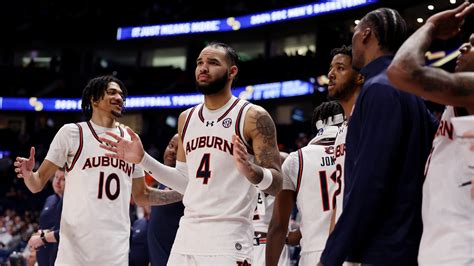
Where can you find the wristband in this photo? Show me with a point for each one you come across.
(267, 179)
(43, 238)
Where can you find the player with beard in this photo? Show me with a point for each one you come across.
(312, 181)
(387, 143)
(214, 169)
(95, 221)
(447, 206)
(344, 81)
(164, 220)
(344, 87)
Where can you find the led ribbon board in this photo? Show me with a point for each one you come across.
(242, 22)
(257, 92)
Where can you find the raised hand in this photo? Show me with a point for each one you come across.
(128, 150)
(448, 23)
(241, 157)
(24, 166)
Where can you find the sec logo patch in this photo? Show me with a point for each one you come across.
(227, 122)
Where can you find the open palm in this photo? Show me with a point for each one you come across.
(241, 157)
(448, 23)
(127, 150)
(24, 166)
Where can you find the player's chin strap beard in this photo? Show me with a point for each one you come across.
(116, 114)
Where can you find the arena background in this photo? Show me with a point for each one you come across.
(50, 48)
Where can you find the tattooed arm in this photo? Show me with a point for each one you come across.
(260, 131)
(408, 71)
(145, 195)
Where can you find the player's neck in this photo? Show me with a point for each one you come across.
(217, 100)
(374, 52)
(348, 103)
(103, 120)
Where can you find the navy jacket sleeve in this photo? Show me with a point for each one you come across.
(373, 136)
(57, 224)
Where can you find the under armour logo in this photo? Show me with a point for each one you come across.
(209, 123)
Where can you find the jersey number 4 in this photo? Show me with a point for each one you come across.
(335, 177)
(204, 168)
(108, 182)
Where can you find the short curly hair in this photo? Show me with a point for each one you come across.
(95, 90)
(345, 50)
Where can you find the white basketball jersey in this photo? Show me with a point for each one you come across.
(340, 156)
(95, 223)
(313, 172)
(447, 208)
(261, 220)
(263, 212)
(219, 201)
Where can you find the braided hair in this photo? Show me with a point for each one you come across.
(95, 90)
(326, 112)
(389, 28)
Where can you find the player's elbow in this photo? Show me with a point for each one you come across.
(141, 197)
(395, 73)
(140, 202)
(402, 73)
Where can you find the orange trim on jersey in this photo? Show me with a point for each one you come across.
(228, 110)
(300, 171)
(79, 150)
(186, 124)
(237, 128)
(93, 131)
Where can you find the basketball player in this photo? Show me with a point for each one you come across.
(145, 195)
(261, 221)
(213, 169)
(387, 143)
(95, 223)
(312, 180)
(344, 87)
(164, 220)
(448, 209)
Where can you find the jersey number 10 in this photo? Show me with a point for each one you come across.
(108, 181)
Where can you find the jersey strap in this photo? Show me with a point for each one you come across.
(237, 128)
(300, 171)
(79, 150)
(228, 110)
(185, 127)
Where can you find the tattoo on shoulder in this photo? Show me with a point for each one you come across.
(264, 126)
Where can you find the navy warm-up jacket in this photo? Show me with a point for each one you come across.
(388, 142)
